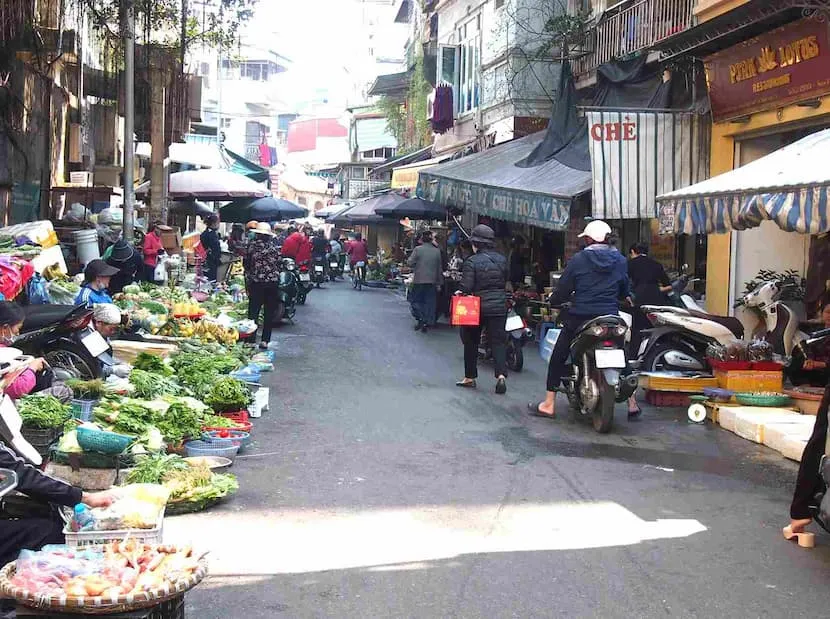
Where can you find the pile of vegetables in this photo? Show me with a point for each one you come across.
(44, 412)
(228, 394)
(87, 389)
(198, 371)
(188, 483)
(151, 362)
(149, 385)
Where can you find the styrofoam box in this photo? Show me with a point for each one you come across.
(726, 417)
(786, 437)
(750, 423)
(793, 448)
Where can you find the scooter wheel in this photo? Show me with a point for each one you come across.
(697, 413)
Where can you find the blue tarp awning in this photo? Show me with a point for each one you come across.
(240, 165)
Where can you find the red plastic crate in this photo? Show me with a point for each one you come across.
(667, 398)
(237, 416)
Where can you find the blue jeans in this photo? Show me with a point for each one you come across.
(423, 299)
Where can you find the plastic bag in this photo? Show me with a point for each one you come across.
(38, 290)
(61, 295)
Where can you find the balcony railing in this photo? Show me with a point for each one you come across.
(633, 28)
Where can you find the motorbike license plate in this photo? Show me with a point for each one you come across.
(610, 358)
(318, 269)
(305, 277)
(95, 343)
(333, 265)
(514, 323)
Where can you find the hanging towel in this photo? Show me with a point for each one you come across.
(264, 155)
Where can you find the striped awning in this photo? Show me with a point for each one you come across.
(789, 187)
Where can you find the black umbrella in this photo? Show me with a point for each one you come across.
(190, 207)
(414, 208)
(261, 209)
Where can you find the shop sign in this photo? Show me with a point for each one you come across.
(638, 156)
(783, 66)
(521, 207)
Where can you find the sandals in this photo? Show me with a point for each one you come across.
(533, 411)
(467, 384)
(805, 539)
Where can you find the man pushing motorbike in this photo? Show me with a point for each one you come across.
(597, 277)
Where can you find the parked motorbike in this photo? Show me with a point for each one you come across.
(304, 285)
(64, 337)
(598, 378)
(680, 336)
(319, 271)
(518, 334)
(288, 290)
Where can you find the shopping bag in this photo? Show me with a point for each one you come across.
(465, 311)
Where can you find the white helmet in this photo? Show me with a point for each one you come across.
(597, 230)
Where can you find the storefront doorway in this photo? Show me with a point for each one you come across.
(767, 247)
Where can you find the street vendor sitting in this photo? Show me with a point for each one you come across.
(96, 283)
(108, 321)
(32, 533)
(38, 377)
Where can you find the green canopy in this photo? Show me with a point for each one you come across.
(242, 166)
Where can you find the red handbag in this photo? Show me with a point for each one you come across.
(465, 311)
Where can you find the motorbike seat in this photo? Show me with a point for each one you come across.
(40, 316)
(730, 322)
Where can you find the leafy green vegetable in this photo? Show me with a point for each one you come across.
(150, 362)
(149, 386)
(87, 389)
(217, 421)
(198, 371)
(180, 422)
(43, 411)
(228, 394)
(152, 469)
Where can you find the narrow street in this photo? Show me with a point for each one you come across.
(376, 488)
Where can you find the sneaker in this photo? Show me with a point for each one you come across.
(501, 386)
(418, 326)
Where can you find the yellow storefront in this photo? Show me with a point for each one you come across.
(765, 93)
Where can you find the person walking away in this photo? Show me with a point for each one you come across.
(264, 276)
(484, 275)
(95, 288)
(282, 237)
(597, 277)
(128, 262)
(152, 248)
(320, 249)
(428, 275)
(358, 251)
(210, 242)
(38, 377)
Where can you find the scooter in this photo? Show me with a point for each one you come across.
(288, 290)
(319, 273)
(599, 378)
(304, 284)
(518, 334)
(64, 337)
(680, 336)
(335, 269)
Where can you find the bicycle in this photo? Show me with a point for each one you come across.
(358, 275)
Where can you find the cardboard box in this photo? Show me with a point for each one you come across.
(172, 241)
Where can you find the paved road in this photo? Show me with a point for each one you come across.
(378, 489)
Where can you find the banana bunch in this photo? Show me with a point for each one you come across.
(212, 332)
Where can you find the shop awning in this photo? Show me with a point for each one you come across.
(197, 154)
(490, 183)
(406, 176)
(364, 212)
(242, 166)
(789, 186)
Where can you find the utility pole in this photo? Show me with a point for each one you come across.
(128, 32)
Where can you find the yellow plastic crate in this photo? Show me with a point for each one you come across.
(750, 380)
(679, 384)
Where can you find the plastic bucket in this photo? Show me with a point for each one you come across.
(86, 245)
(82, 409)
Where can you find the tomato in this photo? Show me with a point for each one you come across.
(224, 434)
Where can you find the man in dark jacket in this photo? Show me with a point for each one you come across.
(484, 275)
(34, 533)
(427, 268)
(597, 277)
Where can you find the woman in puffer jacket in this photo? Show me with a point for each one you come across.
(484, 275)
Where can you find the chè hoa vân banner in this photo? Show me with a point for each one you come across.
(637, 156)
